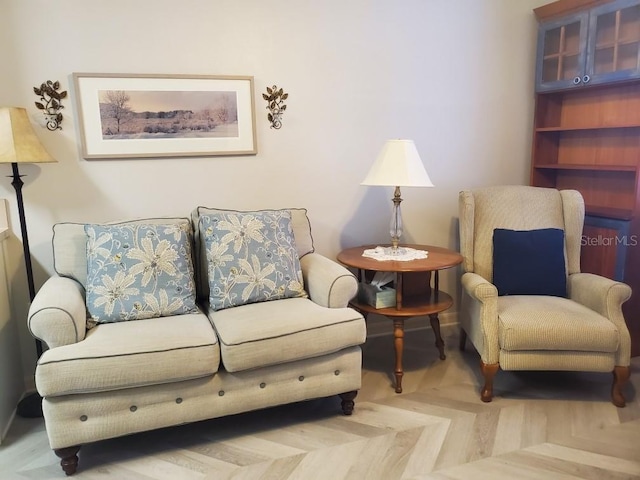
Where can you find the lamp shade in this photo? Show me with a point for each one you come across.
(398, 165)
(18, 141)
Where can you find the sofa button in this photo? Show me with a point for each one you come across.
(336, 373)
(178, 400)
(221, 393)
(83, 418)
(301, 377)
(262, 385)
(133, 408)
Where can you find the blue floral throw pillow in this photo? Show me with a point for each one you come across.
(139, 270)
(251, 257)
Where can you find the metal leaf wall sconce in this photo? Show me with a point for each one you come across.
(50, 103)
(275, 98)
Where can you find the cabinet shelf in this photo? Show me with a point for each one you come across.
(618, 43)
(553, 56)
(609, 212)
(586, 128)
(605, 168)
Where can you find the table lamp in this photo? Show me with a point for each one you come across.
(19, 144)
(398, 165)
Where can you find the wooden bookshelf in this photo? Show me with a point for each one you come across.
(586, 132)
(589, 139)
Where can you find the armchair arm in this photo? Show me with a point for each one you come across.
(606, 297)
(480, 315)
(329, 284)
(600, 294)
(478, 287)
(58, 315)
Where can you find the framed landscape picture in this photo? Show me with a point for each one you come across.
(148, 116)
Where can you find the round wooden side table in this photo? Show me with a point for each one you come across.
(414, 294)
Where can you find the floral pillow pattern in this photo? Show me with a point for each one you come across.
(138, 270)
(251, 257)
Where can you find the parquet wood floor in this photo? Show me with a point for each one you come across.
(546, 426)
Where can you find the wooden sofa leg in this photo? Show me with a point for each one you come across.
(620, 378)
(488, 371)
(69, 456)
(347, 402)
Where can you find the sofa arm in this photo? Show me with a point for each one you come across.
(58, 315)
(328, 283)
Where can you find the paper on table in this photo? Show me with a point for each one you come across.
(401, 254)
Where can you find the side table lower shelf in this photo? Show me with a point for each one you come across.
(431, 305)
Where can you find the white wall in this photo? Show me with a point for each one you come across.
(456, 76)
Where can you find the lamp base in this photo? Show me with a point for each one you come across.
(30, 406)
(395, 227)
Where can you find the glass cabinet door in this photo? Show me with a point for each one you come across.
(614, 46)
(562, 52)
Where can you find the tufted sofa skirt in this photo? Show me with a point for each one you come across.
(78, 419)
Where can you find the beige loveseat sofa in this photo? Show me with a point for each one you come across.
(103, 379)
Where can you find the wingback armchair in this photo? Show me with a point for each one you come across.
(521, 313)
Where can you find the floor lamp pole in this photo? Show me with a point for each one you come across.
(31, 405)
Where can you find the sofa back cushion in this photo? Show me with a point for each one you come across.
(251, 257)
(139, 270)
(300, 225)
(70, 246)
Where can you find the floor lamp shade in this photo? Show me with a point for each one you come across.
(19, 144)
(18, 141)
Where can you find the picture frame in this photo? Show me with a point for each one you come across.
(149, 116)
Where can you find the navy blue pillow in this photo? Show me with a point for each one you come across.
(529, 262)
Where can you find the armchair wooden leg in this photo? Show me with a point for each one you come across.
(69, 456)
(620, 378)
(463, 340)
(488, 371)
(347, 402)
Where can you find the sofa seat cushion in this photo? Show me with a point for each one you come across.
(131, 354)
(535, 322)
(281, 331)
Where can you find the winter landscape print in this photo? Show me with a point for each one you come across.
(156, 114)
(152, 116)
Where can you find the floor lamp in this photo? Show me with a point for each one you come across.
(19, 144)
